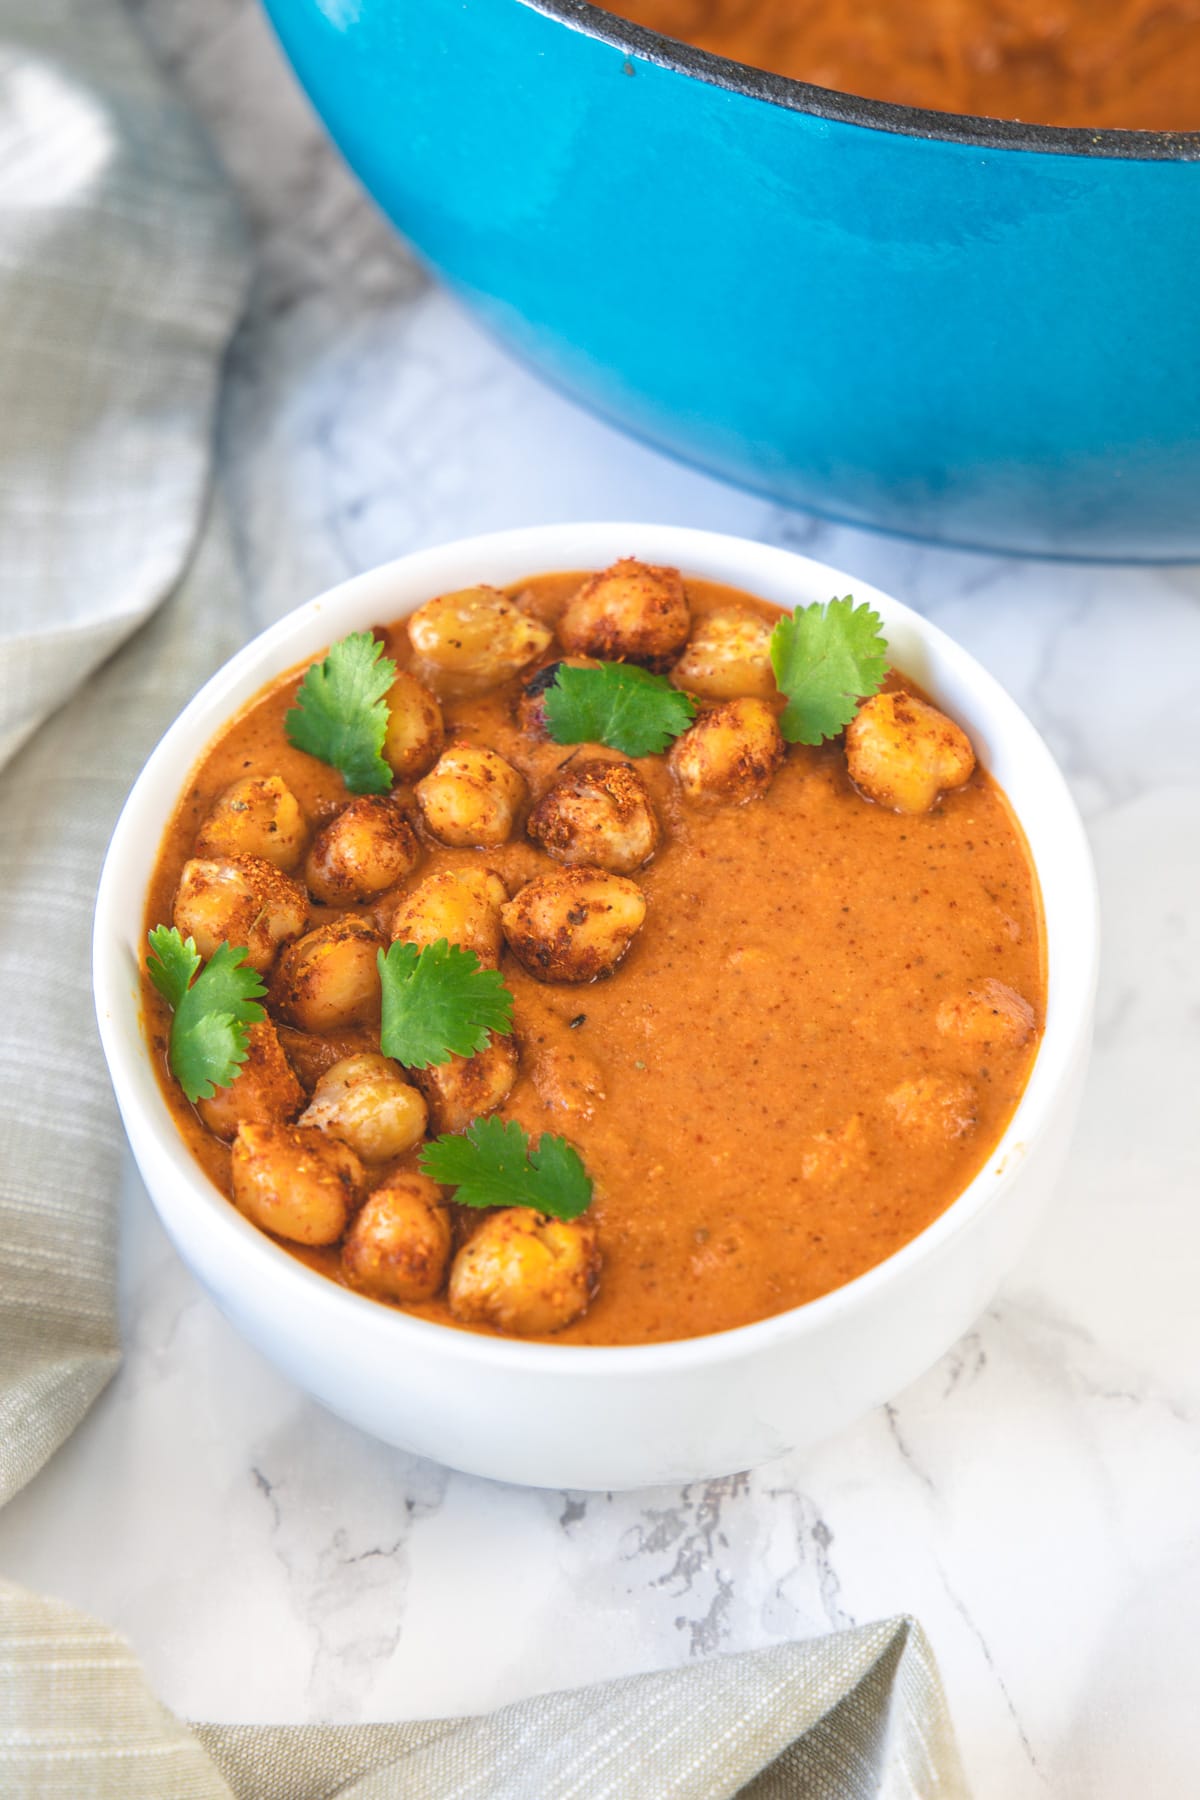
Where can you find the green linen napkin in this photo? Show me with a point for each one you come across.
(122, 273)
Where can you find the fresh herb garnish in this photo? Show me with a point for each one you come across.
(492, 1164)
(341, 716)
(213, 1010)
(826, 659)
(616, 704)
(439, 1003)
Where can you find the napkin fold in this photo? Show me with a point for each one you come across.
(123, 269)
(858, 1715)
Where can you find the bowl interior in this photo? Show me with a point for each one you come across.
(1006, 742)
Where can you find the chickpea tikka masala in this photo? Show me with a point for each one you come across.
(615, 957)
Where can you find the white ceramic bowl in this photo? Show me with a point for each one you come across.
(576, 1417)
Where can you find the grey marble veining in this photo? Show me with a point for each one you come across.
(1034, 1499)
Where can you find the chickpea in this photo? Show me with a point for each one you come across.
(903, 753)
(310, 1055)
(597, 812)
(241, 900)
(471, 796)
(525, 1273)
(415, 729)
(574, 925)
(933, 1109)
(366, 1102)
(258, 816)
(474, 639)
(632, 612)
(330, 978)
(731, 754)
(467, 1087)
(990, 1013)
(399, 1245)
(368, 847)
(729, 657)
(568, 1081)
(460, 905)
(265, 1088)
(294, 1182)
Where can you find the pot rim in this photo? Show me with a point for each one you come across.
(853, 109)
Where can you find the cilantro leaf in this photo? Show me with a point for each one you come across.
(438, 1003)
(617, 704)
(826, 659)
(213, 1010)
(341, 716)
(491, 1164)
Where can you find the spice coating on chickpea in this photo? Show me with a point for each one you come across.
(330, 979)
(241, 900)
(575, 925)
(367, 848)
(257, 816)
(525, 1273)
(468, 1087)
(632, 612)
(902, 753)
(728, 657)
(398, 1247)
(475, 638)
(730, 755)
(597, 812)
(366, 1102)
(415, 729)
(471, 797)
(460, 905)
(265, 1087)
(297, 1183)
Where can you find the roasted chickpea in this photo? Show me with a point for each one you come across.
(575, 925)
(240, 900)
(903, 753)
(399, 1245)
(265, 1089)
(525, 1273)
(331, 977)
(415, 730)
(989, 1013)
(471, 796)
(932, 1109)
(311, 1055)
(366, 1102)
(728, 657)
(368, 847)
(631, 612)
(467, 1087)
(474, 639)
(295, 1182)
(730, 755)
(597, 812)
(460, 905)
(257, 816)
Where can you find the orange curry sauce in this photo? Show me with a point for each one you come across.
(1132, 64)
(785, 982)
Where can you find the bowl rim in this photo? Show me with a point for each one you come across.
(530, 549)
(853, 109)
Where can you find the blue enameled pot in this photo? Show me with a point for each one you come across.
(953, 327)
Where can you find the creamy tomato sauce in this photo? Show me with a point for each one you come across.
(1132, 64)
(746, 1154)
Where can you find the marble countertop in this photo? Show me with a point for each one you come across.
(1034, 1499)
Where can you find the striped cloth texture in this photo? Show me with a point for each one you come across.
(123, 270)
